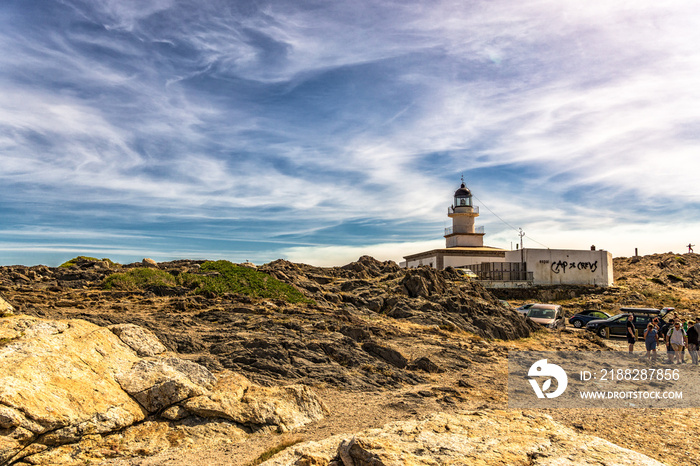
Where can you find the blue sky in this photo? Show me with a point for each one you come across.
(319, 131)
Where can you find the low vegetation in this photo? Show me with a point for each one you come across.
(79, 259)
(139, 279)
(225, 277)
(215, 278)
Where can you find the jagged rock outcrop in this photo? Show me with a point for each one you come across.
(422, 295)
(476, 438)
(62, 382)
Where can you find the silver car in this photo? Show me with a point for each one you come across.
(524, 308)
(548, 315)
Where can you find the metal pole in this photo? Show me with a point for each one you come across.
(523, 276)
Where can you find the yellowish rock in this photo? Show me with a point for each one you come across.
(72, 392)
(139, 339)
(236, 399)
(477, 438)
(60, 377)
(6, 308)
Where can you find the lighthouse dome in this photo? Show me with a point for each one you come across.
(463, 191)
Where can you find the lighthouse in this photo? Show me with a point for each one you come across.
(501, 268)
(464, 240)
(463, 232)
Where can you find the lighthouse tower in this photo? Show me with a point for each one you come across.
(463, 233)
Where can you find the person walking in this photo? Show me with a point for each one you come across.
(631, 332)
(677, 338)
(651, 339)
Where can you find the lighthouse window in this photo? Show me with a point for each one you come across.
(462, 202)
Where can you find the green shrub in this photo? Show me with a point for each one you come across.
(139, 279)
(226, 277)
(75, 260)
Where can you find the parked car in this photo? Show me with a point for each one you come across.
(524, 308)
(617, 324)
(466, 273)
(548, 315)
(582, 318)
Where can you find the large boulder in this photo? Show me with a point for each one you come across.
(71, 382)
(262, 408)
(159, 383)
(58, 381)
(476, 438)
(390, 355)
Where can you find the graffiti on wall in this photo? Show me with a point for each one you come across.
(563, 266)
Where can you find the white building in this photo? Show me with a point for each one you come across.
(503, 268)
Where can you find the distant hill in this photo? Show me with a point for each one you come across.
(660, 280)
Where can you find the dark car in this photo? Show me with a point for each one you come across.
(617, 325)
(582, 318)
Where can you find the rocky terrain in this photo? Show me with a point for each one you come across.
(69, 385)
(419, 354)
(335, 339)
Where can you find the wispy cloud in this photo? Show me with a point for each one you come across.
(346, 125)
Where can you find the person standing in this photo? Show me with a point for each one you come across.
(663, 333)
(678, 339)
(651, 338)
(631, 332)
(693, 336)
